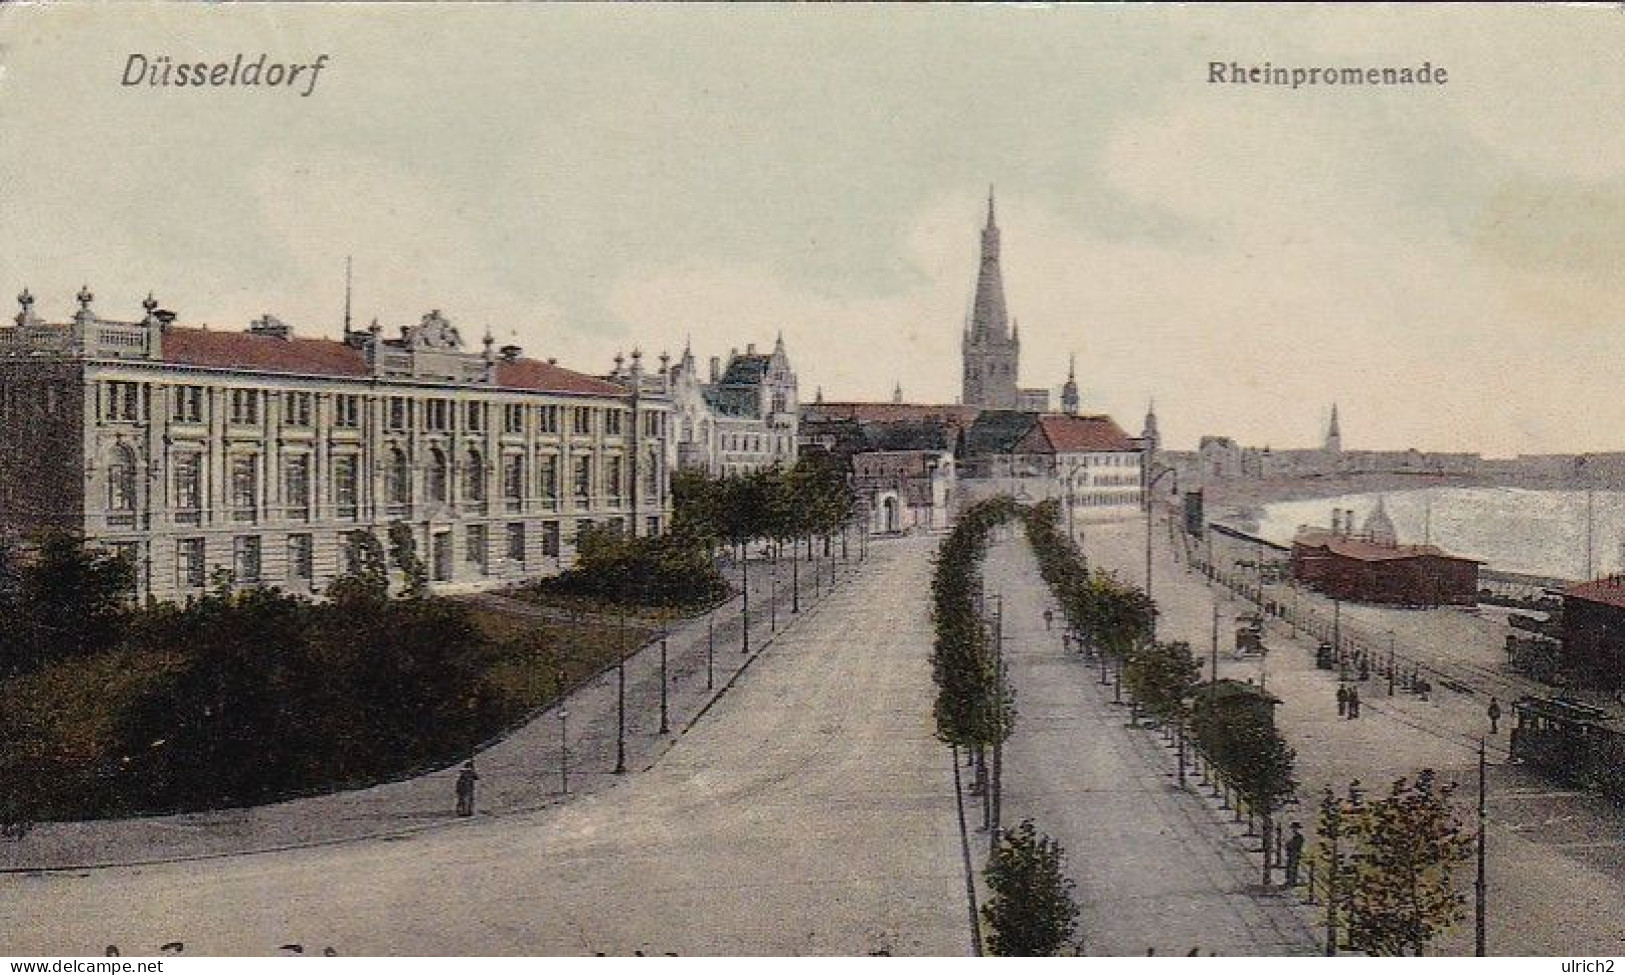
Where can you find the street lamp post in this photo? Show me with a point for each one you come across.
(620, 697)
(711, 649)
(744, 591)
(773, 600)
(1149, 486)
(1391, 658)
(998, 741)
(795, 575)
(665, 683)
(564, 751)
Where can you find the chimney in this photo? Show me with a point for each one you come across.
(511, 353)
(750, 348)
(716, 368)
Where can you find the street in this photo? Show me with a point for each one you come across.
(809, 811)
(1154, 867)
(1554, 853)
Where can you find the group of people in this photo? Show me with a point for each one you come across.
(1348, 701)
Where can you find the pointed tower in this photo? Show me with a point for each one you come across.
(1379, 528)
(897, 393)
(1149, 435)
(990, 349)
(1069, 392)
(1334, 436)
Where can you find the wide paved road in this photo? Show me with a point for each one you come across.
(809, 812)
(1154, 867)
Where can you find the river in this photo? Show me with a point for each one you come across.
(1539, 532)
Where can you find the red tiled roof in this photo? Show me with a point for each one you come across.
(952, 413)
(538, 375)
(1061, 433)
(327, 357)
(1609, 591)
(264, 353)
(1364, 550)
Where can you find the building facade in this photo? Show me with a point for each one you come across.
(1347, 566)
(741, 418)
(262, 454)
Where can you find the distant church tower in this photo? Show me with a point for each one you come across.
(1334, 436)
(1069, 392)
(991, 347)
(1150, 439)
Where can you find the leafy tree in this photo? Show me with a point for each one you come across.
(1162, 677)
(71, 601)
(1032, 912)
(1404, 848)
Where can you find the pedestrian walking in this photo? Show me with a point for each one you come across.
(1342, 700)
(1294, 854)
(1365, 668)
(1049, 619)
(1354, 703)
(1495, 715)
(465, 789)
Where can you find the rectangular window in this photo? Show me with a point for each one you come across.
(246, 559)
(245, 407)
(189, 566)
(245, 487)
(437, 414)
(400, 413)
(296, 486)
(346, 485)
(548, 419)
(652, 525)
(581, 420)
(474, 416)
(301, 558)
(612, 422)
(476, 553)
(550, 539)
(547, 476)
(188, 404)
(347, 412)
(513, 418)
(583, 479)
(188, 469)
(516, 541)
(612, 478)
(296, 409)
(513, 480)
(123, 401)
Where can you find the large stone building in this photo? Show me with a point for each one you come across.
(740, 418)
(263, 453)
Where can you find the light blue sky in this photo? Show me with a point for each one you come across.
(1440, 261)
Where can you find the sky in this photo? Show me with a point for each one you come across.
(1440, 261)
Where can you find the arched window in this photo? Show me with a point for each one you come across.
(437, 474)
(121, 480)
(398, 478)
(474, 477)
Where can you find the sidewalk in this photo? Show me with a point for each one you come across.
(519, 772)
(1156, 867)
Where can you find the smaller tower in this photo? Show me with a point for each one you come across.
(897, 393)
(1069, 391)
(1334, 436)
(1379, 528)
(1149, 435)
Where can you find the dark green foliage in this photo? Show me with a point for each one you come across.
(61, 600)
(662, 570)
(1031, 912)
(1114, 617)
(973, 707)
(811, 498)
(403, 552)
(1235, 729)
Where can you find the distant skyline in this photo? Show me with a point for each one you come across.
(1441, 262)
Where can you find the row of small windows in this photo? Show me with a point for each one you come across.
(129, 402)
(243, 482)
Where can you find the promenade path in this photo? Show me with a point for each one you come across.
(808, 811)
(519, 772)
(1556, 856)
(1155, 866)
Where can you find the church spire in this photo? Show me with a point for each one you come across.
(990, 345)
(1334, 435)
(1069, 392)
(992, 224)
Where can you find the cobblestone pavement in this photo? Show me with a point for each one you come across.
(809, 811)
(1556, 857)
(1156, 867)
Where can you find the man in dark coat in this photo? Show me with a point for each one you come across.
(465, 789)
(1294, 854)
